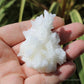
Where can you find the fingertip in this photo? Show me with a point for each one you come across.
(74, 49)
(58, 22)
(66, 70)
(79, 26)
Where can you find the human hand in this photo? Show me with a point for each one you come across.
(14, 71)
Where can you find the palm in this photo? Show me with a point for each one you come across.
(11, 69)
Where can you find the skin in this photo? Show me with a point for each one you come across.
(14, 71)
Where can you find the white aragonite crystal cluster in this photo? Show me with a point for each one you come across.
(41, 49)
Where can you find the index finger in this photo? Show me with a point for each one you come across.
(13, 34)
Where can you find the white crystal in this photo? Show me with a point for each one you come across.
(41, 49)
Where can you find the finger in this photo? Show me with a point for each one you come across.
(70, 32)
(65, 71)
(13, 34)
(74, 49)
(58, 22)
